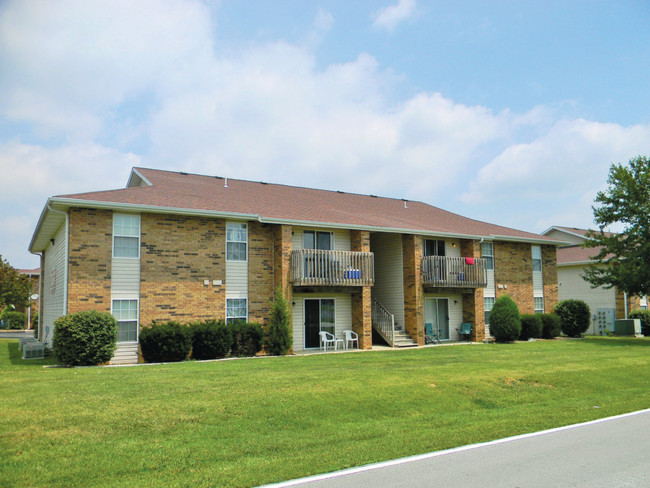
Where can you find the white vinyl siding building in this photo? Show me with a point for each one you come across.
(236, 271)
(389, 273)
(538, 281)
(342, 314)
(55, 282)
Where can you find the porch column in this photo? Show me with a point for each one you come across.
(361, 300)
(413, 291)
(282, 246)
(473, 302)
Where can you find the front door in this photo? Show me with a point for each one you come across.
(319, 316)
(436, 312)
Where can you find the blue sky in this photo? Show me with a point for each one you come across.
(509, 112)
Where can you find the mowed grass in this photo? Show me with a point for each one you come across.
(254, 421)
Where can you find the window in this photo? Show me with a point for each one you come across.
(312, 239)
(236, 309)
(488, 303)
(537, 258)
(539, 304)
(236, 241)
(434, 247)
(487, 251)
(126, 236)
(126, 314)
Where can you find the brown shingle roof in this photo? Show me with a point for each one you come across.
(576, 254)
(281, 202)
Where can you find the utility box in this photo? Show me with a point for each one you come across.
(628, 327)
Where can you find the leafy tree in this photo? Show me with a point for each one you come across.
(505, 323)
(14, 287)
(278, 337)
(623, 258)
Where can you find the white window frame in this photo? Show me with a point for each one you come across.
(230, 318)
(489, 258)
(316, 232)
(536, 252)
(237, 241)
(486, 310)
(118, 232)
(535, 307)
(320, 316)
(120, 319)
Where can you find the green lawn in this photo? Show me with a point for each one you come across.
(254, 421)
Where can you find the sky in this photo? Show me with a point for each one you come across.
(511, 112)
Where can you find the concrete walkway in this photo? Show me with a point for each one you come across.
(607, 453)
(15, 334)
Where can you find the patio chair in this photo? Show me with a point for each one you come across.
(430, 337)
(465, 331)
(350, 338)
(327, 338)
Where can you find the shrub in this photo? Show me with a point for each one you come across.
(246, 338)
(85, 338)
(210, 340)
(505, 324)
(35, 320)
(13, 319)
(574, 317)
(165, 342)
(551, 325)
(644, 316)
(531, 327)
(278, 337)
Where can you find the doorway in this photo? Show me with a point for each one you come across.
(319, 316)
(436, 313)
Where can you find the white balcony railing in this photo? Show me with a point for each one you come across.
(313, 267)
(454, 272)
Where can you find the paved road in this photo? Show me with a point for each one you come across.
(610, 453)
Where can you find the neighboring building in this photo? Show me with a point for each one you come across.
(185, 247)
(34, 276)
(606, 305)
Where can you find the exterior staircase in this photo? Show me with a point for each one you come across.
(383, 322)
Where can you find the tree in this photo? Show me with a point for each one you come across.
(15, 288)
(623, 259)
(505, 322)
(278, 339)
(574, 317)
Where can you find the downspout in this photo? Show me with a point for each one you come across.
(625, 298)
(40, 292)
(67, 257)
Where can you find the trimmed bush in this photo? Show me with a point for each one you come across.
(551, 325)
(531, 327)
(278, 338)
(247, 338)
(85, 338)
(505, 323)
(13, 320)
(165, 342)
(574, 317)
(210, 340)
(644, 316)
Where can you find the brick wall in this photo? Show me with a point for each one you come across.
(549, 275)
(473, 304)
(282, 246)
(513, 267)
(90, 250)
(413, 291)
(633, 303)
(177, 254)
(260, 271)
(361, 299)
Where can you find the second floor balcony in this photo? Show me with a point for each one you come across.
(454, 272)
(314, 267)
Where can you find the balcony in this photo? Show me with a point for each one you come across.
(312, 267)
(448, 272)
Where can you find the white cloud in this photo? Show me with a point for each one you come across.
(388, 17)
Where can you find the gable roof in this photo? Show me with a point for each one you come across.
(575, 231)
(151, 190)
(576, 254)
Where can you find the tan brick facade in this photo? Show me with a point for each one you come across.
(413, 290)
(261, 268)
(473, 304)
(513, 273)
(633, 303)
(282, 246)
(90, 248)
(177, 254)
(361, 299)
(549, 275)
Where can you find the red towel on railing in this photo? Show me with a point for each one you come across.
(469, 260)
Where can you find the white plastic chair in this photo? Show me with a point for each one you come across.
(327, 338)
(350, 338)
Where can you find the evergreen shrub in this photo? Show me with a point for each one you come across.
(85, 338)
(278, 338)
(165, 342)
(574, 317)
(505, 323)
(644, 316)
(551, 325)
(531, 327)
(247, 338)
(210, 340)
(13, 320)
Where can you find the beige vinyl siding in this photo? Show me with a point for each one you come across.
(573, 286)
(54, 283)
(455, 311)
(237, 279)
(125, 278)
(450, 250)
(563, 236)
(389, 273)
(342, 314)
(340, 240)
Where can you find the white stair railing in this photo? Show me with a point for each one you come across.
(383, 322)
